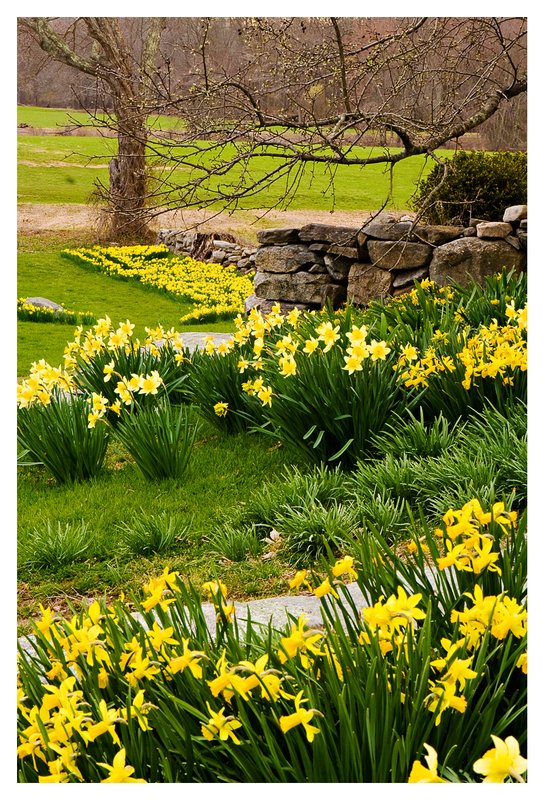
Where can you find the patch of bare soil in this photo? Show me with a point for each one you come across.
(243, 225)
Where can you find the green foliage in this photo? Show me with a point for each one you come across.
(478, 184)
(58, 435)
(146, 534)
(236, 543)
(159, 438)
(414, 437)
(55, 545)
(215, 378)
(324, 412)
(310, 531)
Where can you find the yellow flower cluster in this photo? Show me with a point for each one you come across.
(216, 291)
(104, 337)
(43, 379)
(467, 547)
(64, 723)
(258, 331)
(494, 351)
(501, 762)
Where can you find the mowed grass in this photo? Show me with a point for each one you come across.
(65, 169)
(37, 117)
(44, 272)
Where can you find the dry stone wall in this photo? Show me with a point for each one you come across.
(316, 264)
(308, 266)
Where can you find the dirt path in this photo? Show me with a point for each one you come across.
(37, 218)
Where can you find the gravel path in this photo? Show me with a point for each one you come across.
(194, 339)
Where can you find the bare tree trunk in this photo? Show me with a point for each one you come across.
(128, 185)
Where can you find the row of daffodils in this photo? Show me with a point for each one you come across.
(217, 292)
(417, 685)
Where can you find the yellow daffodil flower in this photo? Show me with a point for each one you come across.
(502, 761)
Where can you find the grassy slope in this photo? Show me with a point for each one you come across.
(43, 272)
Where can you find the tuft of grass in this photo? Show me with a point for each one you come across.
(147, 534)
(55, 545)
(236, 543)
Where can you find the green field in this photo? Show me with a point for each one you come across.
(64, 169)
(38, 117)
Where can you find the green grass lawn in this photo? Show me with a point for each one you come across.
(64, 169)
(224, 472)
(43, 272)
(38, 117)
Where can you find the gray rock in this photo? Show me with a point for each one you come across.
(278, 236)
(522, 236)
(407, 277)
(338, 266)
(513, 241)
(399, 255)
(43, 302)
(334, 234)
(388, 231)
(515, 213)
(474, 221)
(494, 230)
(220, 244)
(317, 269)
(523, 225)
(438, 234)
(285, 258)
(367, 282)
(297, 287)
(470, 259)
(319, 247)
(471, 231)
(218, 256)
(347, 252)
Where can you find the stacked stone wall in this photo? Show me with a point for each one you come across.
(316, 264)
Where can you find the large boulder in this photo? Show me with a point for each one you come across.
(286, 258)
(298, 287)
(472, 259)
(399, 255)
(367, 282)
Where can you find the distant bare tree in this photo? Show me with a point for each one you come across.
(306, 92)
(103, 50)
(266, 100)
